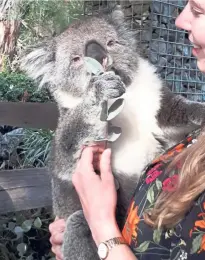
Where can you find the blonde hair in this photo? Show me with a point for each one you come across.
(171, 207)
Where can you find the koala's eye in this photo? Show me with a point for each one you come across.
(76, 58)
(110, 43)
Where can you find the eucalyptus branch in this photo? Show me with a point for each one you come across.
(107, 114)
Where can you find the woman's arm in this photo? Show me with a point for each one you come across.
(99, 198)
(110, 230)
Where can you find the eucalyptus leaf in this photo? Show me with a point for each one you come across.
(115, 109)
(93, 66)
(104, 111)
(18, 231)
(37, 222)
(11, 225)
(114, 133)
(27, 224)
(22, 248)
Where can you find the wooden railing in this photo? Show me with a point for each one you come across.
(24, 189)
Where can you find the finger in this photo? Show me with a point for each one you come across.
(57, 251)
(86, 161)
(57, 225)
(57, 239)
(105, 165)
(59, 258)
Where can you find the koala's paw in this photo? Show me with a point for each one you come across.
(107, 86)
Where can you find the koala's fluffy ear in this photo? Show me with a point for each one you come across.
(117, 15)
(38, 62)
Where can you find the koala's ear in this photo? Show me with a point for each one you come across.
(117, 15)
(38, 62)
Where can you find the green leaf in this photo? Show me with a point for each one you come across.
(11, 225)
(158, 184)
(157, 235)
(22, 248)
(18, 231)
(93, 66)
(143, 247)
(37, 223)
(150, 194)
(104, 111)
(26, 226)
(115, 109)
(196, 243)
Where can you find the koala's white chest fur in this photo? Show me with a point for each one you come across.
(136, 146)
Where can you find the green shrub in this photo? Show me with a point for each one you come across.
(24, 235)
(36, 148)
(42, 19)
(18, 87)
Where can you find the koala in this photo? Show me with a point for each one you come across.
(152, 120)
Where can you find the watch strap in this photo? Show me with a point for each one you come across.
(114, 242)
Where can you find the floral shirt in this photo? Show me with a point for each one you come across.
(187, 239)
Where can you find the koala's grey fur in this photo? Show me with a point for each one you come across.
(152, 120)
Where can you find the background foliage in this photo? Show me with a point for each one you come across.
(25, 235)
(18, 87)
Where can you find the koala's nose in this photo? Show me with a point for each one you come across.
(94, 50)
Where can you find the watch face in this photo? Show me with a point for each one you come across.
(102, 251)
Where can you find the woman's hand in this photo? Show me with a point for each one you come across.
(57, 229)
(97, 193)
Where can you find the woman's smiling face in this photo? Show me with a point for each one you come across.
(192, 19)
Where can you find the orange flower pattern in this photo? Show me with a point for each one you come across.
(130, 228)
(199, 232)
(187, 239)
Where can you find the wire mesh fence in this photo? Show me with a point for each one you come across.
(166, 46)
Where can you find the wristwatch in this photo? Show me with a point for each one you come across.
(105, 247)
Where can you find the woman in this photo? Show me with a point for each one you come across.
(166, 217)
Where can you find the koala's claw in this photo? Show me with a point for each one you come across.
(108, 86)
